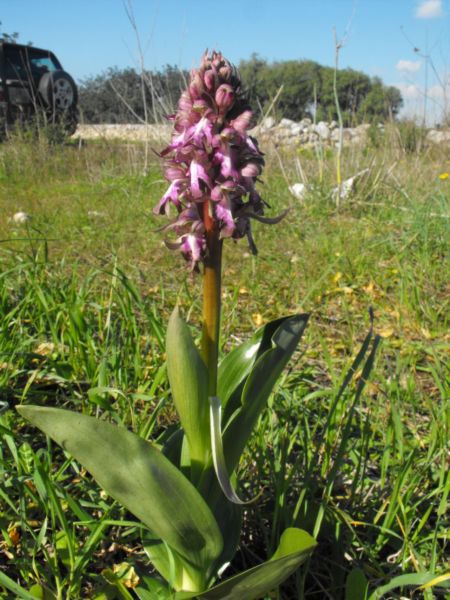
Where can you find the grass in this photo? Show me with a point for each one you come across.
(85, 290)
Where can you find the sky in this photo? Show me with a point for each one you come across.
(405, 42)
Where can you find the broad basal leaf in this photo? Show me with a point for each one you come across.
(140, 477)
(295, 547)
(153, 589)
(188, 380)
(237, 364)
(176, 571)
(259, 385)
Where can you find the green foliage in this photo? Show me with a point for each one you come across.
(381, 103)
(294, 548)
(308, 87)
(187, 542)
(140, 477)
(125, 96)
(8, 37)
(411, 136)
(188, 380)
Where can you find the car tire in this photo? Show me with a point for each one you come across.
(58, 91)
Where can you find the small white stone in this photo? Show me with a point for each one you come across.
(287, 123)
(96, 214)
(435, 136)
(21, 217)
(348, 186)
(267, 123)
(323, 130)
(298, 190)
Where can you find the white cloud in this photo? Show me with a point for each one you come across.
(410, 91)
(429, 9)
(438, 92)
(408, 66)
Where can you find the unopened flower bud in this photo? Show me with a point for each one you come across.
(210, 79)
(242, 122)
(226, 73)
(196, 88)
(217, 60)
(224, 97)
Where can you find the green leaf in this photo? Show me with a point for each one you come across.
(357, 586)
(188, 378)
(42, 593)
(175, 570)
(165, 560)
(220, 465)
(62, 545)
(294, 548)
(152, 589)
(140, 477)
(14, 587)
(259, 385)
(237, 364)
(411, 579)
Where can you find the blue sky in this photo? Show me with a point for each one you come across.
(380, 35)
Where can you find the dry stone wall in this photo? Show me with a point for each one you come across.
(285, 133)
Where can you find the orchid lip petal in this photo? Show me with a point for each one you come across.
(198, 173)
(224, 214)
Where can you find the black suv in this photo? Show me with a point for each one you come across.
(34, 84)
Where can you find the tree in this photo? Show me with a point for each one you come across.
(118, 96)
(381, 102)
(298, 78)
(125, 96)
(352, 88)
(308, 87)
(8, 37)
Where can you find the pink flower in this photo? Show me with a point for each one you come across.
(172, 195)
(198, 174)
(193, 248)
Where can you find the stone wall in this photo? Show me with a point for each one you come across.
(306, 133)
(285, 133)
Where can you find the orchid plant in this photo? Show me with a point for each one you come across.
(184, 493)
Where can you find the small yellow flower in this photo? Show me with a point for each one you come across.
(257, 319)
(443, 176)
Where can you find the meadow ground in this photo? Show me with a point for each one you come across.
(86, 287)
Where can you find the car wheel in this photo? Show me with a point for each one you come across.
(58, 91)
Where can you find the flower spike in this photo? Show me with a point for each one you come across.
(211, 161)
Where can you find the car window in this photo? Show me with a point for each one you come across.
(42, 64)
(20, 63)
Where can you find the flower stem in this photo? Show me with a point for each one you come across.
(211, 298)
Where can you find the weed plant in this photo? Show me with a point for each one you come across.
(84, 289)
